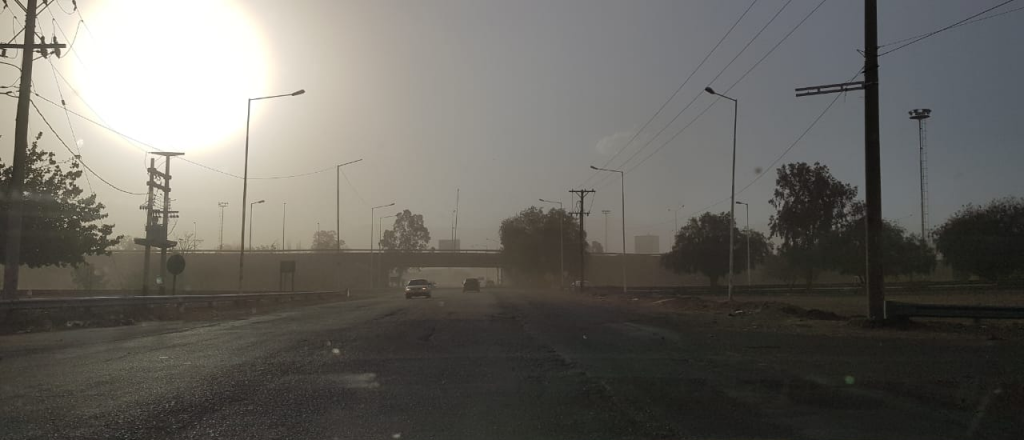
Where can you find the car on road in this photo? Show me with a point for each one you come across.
(418, 287)
(471, 285)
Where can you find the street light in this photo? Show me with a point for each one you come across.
(373, 277)
(337, 201)
(732, 196)
(622, 178)
(250, 220)
(677, 219)
(380, 231)
(561, 245)
(245, 182)
(748, 239)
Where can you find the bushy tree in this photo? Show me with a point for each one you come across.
(60, 226)
(407, 233)
(596, 247)
(326, 240)
(702, 245)
(902, 254)
(529, 244)
(985, 241)
(810, 205)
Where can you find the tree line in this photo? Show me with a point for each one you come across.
(818, 225)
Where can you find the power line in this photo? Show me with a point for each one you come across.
(957, 24)
(353, 187)
(74, 137)
(687, 80)
(697, 96)
(138, 144)
(79, 158)
(744, 76)
(784, 153)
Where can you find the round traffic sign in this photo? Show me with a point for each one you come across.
(176, 264)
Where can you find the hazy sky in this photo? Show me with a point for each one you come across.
(512, 101)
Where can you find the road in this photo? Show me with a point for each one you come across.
(501, 364)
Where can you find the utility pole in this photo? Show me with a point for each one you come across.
(149, 226)
(875, 286)
(455, 231)
(921, 115)
(166, 214)
(12, 263)
(284, 219)
(156, 234)
(583, 242)
(606, 212)
(222, 205)
(873, 165)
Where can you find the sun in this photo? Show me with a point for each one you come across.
(175, 74)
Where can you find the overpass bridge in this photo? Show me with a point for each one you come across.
(324, 269)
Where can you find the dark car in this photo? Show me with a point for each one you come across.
(471, 285)
(418, 287)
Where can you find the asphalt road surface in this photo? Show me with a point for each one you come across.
(502, 364)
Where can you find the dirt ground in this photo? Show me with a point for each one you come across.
(32, 321)
(832, 314)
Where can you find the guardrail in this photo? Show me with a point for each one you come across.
(150, 300)
(902, 310)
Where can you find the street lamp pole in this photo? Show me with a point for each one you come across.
(337, 201)
(747, 206)
(380, 231)
(284, 220)
(677, 220)
(373, 277)
(561, 244)
(732, 196)
(245, 183)
(622, 178)
(250, 221)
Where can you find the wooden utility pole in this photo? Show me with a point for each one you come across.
(12, 251)
(583, 242)
(149, 226)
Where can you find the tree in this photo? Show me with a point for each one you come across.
(596, 247)
(60, 226)
(702, 245)
(407, 233)
(326, 240)
(809, 205)
(985, 241)
(187, 243)
(529, 244)
(902, 254)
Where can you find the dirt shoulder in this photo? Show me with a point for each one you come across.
(822, 314)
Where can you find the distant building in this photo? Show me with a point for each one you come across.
(448, 245)
(647, 244)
